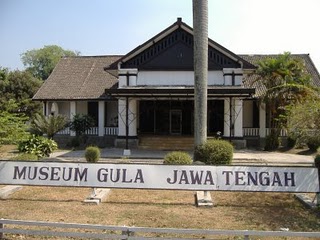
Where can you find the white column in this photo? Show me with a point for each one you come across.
(122, 117)
(238, 76)
(227, 76)
(122, 81)
(133, 117)
(262, 120)
(73, 111)
(133, 77)
(101, 119)
(238, 122)
(226, 131)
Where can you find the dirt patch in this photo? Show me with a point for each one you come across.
(8, 151)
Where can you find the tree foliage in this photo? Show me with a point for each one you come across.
(3, 73)
(12, 125)
(285, 81)
(304, 121)
(41, 62)
(48, 125)
(19, 86)
(81, 123)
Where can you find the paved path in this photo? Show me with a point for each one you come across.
(156, 156)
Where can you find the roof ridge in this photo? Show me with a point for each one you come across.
(94, 56)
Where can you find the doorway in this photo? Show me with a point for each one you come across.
(175, 122)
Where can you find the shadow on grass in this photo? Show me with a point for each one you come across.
(298, 151)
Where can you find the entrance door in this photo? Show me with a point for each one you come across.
(175, 122)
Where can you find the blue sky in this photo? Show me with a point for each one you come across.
(102, 27)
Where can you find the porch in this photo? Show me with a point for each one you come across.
(165, 142)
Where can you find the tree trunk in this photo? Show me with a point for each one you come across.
(200, 54)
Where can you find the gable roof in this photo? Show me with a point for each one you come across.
(254, 59)
(178, 35)
(78, 78)
(84, 78)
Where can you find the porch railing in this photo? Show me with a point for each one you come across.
(255, 132)
(108, 131)
(251, 132)
(92, 131)
(111, 131)
(65, 131)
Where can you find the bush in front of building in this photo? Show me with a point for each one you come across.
(313, 142)
(92, 154)
(317, 159)
(38, 145)
(177, 158)
(214, 152)
(272, 142)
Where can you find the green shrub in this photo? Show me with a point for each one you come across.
(272, 142)
(214, 152)
(37, 145)
(92, 154)
(291, 142)
(313, 142)
(177, 158)
(317, 161)
(25, 157)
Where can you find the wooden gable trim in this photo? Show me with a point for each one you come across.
(179, 24)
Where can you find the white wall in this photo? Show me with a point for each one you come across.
(163, 78)
(62, 109)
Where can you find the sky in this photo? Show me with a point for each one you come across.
(104, 27)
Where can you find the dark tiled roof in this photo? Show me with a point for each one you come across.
(84, 78)
(77, 78)
(254, 59)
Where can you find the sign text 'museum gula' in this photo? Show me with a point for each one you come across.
(224, 178)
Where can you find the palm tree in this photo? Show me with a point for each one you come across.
(200, 54)
(48, 125)
(285, 82)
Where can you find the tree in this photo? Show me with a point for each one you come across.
(3, 73)
(285, 81)
(12, 125)
(304, 122)
(48, 125)
(81, 123)
(41, 62)
(200, 54)
(19, 86)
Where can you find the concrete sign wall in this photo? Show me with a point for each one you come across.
(187, 177)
